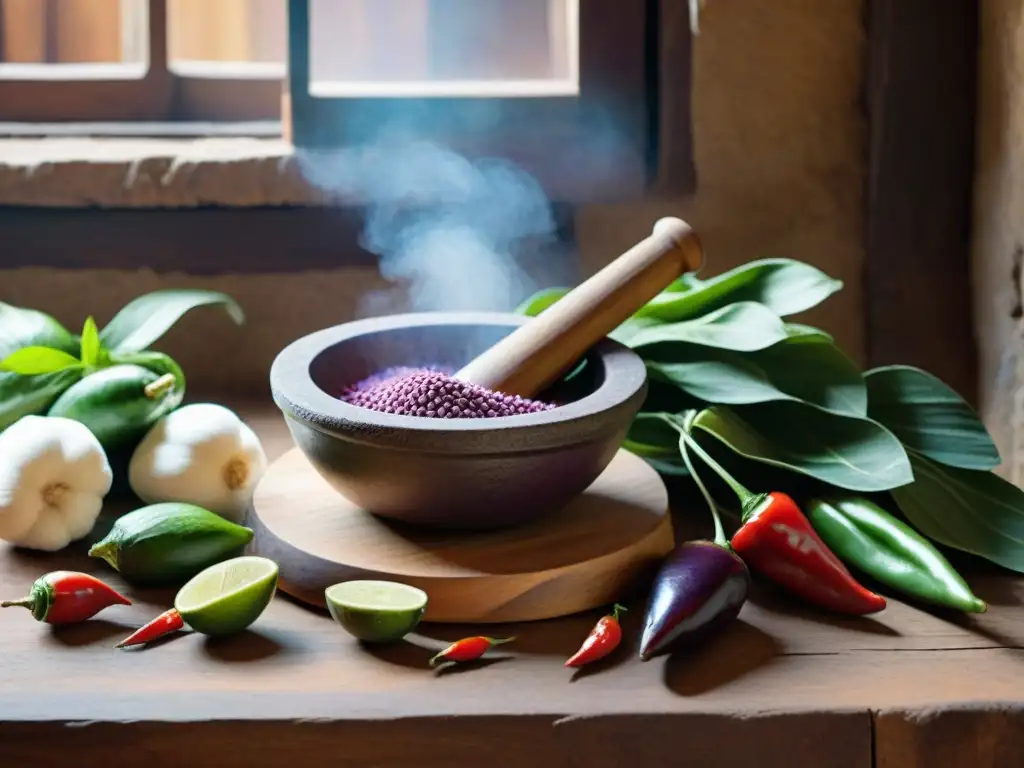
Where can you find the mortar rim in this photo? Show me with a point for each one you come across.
(589, 418)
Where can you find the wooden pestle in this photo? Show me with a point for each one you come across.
(536, 354)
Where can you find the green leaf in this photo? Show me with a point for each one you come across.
(90, 343)
(801, 368)
(742, 327)
(929, 417)
(794, 330)
(853, 453)
(685, 282)
(540, 301)
(144, 320)
(32, 395)
(624, 333)
(31, 361)
(21, 327)
(651, 437)
(976, 512)
(784, 286)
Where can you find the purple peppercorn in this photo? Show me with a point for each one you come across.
(433, 394)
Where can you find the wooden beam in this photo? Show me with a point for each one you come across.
(920, 91)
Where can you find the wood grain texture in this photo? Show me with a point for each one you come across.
(534, 356)
(839, 741)
(982, 737)
(785, 685)
(590, 554)
(921, 91)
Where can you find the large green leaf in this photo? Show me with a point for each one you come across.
(852, 453)
(797, 329)
(650, 436)
(801, 368)
(144, 320)
(742, 327)
(624, 333)
(976, 512)
(929, 417)
(541, 300)
(784, 286)
(21, 327)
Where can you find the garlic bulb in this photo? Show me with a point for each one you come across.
(53, 477)
(201, 454)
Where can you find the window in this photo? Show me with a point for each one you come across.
(563, 88)
(141, 60)
(566, 89)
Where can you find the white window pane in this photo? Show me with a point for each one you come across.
(236, 31)
(73, 31)
(376, 46)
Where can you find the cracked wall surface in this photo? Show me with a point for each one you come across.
(780, 143)
(999, 230)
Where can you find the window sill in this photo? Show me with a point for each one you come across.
(127, 172)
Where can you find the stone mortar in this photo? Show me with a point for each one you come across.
(465, 474)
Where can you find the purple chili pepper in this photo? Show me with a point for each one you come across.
(700, 587)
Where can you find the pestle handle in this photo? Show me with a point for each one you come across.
(536, 354)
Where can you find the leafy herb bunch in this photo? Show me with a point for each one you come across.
(784, 396)
(40, 358)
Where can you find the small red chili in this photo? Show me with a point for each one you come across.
(167, 622)
(602, 640)
(468, 649)
(67, 597)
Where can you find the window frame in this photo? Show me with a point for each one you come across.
(551, 137)
(156, 91)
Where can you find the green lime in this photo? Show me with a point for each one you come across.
(376, 611)
(229, 596)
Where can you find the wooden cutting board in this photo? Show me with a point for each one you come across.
(591, 553)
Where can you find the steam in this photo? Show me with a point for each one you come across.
(451, 233)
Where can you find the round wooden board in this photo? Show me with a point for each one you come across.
(589, 554)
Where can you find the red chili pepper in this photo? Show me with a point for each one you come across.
(167, 622)
(468, 649)
(67, 597)
(776, 539)
(602, 640)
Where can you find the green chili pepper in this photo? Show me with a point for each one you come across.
(872, 540)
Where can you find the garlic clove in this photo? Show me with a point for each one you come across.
(53, 477)
(71, 520)
(202, 454)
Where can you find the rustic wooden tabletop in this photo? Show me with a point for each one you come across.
(783, 686)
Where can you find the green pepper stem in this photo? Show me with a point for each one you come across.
(616, 610)
(157, 388)
(26, 602)
(746, 497)
(720, 538)
(499, 640)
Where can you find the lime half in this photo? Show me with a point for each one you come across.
(376, 611)
(229, 596)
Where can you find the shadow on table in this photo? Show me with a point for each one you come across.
(89, 632)
(245, 647)
(739, 650)
(769, 598)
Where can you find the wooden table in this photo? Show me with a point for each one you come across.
(784, 686)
